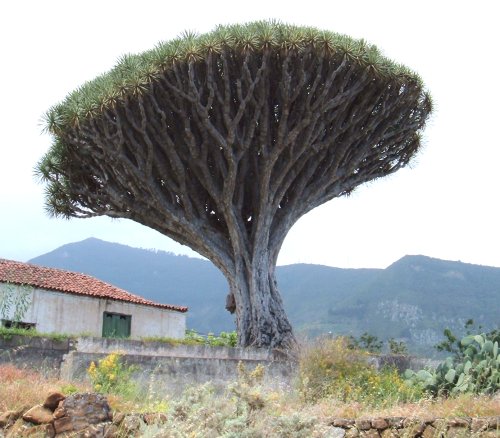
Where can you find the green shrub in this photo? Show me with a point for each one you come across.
(111, 376)
(332, 369)
(224, 339)
(474, 369)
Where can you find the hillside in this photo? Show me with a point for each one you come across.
(413, 299)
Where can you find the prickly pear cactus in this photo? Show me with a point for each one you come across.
(478, 372)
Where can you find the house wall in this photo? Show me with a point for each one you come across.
(58, 312)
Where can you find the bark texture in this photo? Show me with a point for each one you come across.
(225, 153)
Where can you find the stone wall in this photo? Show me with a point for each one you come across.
(416, 427)
(42, 354)
(164, 367)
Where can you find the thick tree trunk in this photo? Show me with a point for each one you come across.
(261, 320)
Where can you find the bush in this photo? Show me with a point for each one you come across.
(332, 369)
(111, 376)
(225, 339)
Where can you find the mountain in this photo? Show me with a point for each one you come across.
(413, 299)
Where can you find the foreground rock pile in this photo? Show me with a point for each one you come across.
(86, 415)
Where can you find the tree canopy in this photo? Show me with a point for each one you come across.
(223, 141)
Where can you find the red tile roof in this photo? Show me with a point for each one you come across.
(70, 282)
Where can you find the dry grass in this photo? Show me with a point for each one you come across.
(462, 406)
(21, 387)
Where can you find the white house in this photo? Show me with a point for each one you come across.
(59, 301)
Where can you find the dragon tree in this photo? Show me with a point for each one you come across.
(223, 141)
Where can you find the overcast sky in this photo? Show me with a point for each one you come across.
(445, 205)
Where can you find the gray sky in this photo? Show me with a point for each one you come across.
(445, 205)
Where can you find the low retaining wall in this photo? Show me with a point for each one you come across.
(416, 427)
(164, 367)
(168, 367)
(42, 354)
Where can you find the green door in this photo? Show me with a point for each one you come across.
(115, 325)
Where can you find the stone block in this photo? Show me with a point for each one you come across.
(390, 433)
(335, 432)
(429, 432)
(395, 422)
(363, 424)
(343, 422)
(352, 433)
(380, 423)
(479, 424)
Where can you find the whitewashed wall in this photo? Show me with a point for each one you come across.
(59, 312)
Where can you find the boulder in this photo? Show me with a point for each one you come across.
(79, 411)
(52, 400)
(38, 415)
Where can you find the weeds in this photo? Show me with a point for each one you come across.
(330, 368)
(8, 333)
(111, 376)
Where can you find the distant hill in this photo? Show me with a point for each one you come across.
(413, 300)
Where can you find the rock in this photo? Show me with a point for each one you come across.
(352, 433)
(380, 423)
(79, 411)
(372, 433)
(395, 422)
(343, 422)
(414, 427)
(131, 424)
(429, 432)
(363, 424)
(458, 422)
(38, 415)
(479, 424)
(494, 423)
(64, 424)
(335, 432)
(93, 431)
(52, 400)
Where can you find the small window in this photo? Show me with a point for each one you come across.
(18, 324)
(116, 325)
